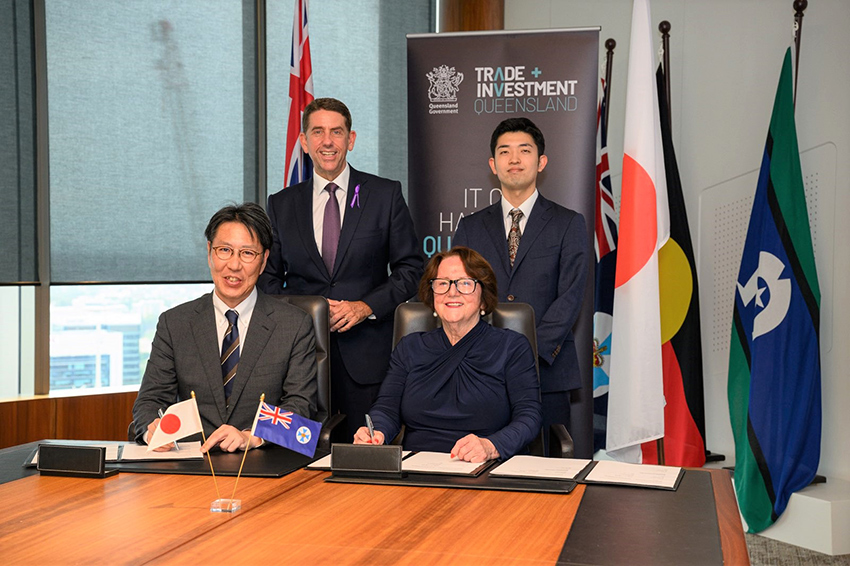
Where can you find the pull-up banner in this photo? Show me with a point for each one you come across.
(460, 86)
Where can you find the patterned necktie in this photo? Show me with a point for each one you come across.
(514, 235)
(230, 353)
(330, 228)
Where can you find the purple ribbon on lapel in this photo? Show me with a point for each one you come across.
(356, 198)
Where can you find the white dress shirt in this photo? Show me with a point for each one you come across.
(525, 207)
(244, 309)
(321, 197)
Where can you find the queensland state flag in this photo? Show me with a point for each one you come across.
(636, 389)
(605, 244)
(681, 348)
(774, 358)
(298, 166)
(286, 429)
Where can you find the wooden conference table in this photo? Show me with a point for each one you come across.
(134, 518)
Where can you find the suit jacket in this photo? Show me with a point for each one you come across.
(549, 273)
(279, 359)
(377, 232)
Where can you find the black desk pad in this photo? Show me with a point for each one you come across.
(13, 459)
(483, 481)
(268, 462)
(618, 525)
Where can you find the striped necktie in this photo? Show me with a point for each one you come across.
(230, 353)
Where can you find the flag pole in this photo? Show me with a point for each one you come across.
(204, 438)
(664, 28)
(247, 447)
(799, 7)
(610, 44)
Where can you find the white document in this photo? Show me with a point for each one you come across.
(188, 451)
(647, 475)
(325, 463)
(440, 463)
(538, 467)
(111, 451)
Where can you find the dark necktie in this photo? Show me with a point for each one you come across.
(514, 235)
(330, 229)
(230, 353)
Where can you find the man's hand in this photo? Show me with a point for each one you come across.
(230, 439)
(345, 315)
(151, 428)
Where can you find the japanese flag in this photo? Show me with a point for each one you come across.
(179, 421)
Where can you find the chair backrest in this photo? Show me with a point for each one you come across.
(417, 317)
(317, 307)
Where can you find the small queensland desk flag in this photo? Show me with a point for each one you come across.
(286, 429)
(179, 421)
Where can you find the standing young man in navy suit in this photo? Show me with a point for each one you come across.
(348, 236)
(539, 252)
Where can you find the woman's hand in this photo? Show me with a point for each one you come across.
(362, 436)
(471, 448)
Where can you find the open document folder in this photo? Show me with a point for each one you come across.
(188, 451)
(441, 463)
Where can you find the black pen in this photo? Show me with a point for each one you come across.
(161, 414)
(371, 427)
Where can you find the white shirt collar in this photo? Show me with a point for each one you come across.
(243, 309)
(525, 207)
(319, 182)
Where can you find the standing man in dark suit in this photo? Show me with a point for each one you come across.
(232, 345)
(348, 236)
(539, 252)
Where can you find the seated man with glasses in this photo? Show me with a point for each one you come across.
(466, 388)
(232, 345)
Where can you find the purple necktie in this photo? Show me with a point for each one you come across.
(330, 229)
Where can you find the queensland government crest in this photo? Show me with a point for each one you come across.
(445, 82)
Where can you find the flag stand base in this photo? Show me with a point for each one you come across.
(226, 506)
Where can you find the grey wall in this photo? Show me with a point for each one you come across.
(725, 61)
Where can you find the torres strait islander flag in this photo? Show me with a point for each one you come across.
(636, 389)
(179, 421)
(681, 348)
(774, 358)
(298, 166)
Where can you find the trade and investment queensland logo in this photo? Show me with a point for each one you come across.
(445, 83)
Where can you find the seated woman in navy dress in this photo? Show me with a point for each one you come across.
(466, 388)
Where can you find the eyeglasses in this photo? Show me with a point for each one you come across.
(464, 286)
(226, 252)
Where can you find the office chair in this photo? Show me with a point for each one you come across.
(317, 308)
(519, 317)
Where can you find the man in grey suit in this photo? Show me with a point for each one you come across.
(232, 345)
(540, 254)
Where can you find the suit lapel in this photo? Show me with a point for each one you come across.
(206, 341)
(496, 229)
(304, 218)
(356, 197)
(260, 331)
(540, 215)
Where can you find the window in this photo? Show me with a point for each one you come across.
(153, 124)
